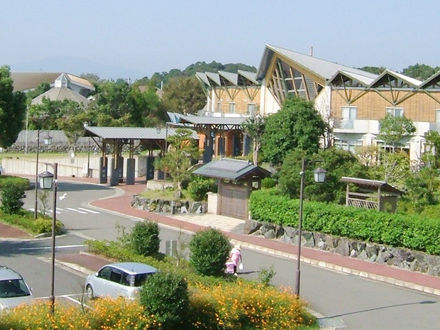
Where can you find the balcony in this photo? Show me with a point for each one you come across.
(356, 126)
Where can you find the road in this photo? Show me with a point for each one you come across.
(346, 301)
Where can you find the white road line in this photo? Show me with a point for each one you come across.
(59, 208)
(87, 210)
(57, 247)
(58, 212)
(74, 210)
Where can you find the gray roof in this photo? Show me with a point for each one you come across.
(224, 78)
(231, 169)
(58, 138)
(322, 68)
(23, 81)
(60, 94)
(363, 80)
(366, 183)
(136, 133)
(384, 78)
(134, 267)
(211, 120)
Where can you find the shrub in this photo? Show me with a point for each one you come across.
(145, 238)
(199, 187)
(41, 226)
(23, 182)
(266, 275)
(11, 195)
(412, 232)
(209, 252)
(165, 295)
(268, 183)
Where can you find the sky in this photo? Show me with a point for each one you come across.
(135, 38)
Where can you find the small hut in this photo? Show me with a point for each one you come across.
(236, 179)
(371, 194)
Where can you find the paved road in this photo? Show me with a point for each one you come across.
(346, 300)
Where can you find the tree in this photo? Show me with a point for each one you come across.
(296, 126)
(42, 88)
(420, 71)
(433, 143)
(177, 160)
(373, 69)
(336, 162)
(393, 129)
(120, 104)
(49, 114)
(12, 109)
(254, 127)
(183, 95)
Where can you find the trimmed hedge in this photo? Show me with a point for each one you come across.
(22, 182)
(412, 232)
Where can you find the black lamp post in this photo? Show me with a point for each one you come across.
(47, 141)
(319, 176)
(48, 181)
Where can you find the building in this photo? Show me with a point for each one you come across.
(350, 100)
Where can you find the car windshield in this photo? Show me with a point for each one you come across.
(13, 288)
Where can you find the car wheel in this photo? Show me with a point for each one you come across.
(89, 292)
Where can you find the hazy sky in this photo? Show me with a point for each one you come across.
(121, 39)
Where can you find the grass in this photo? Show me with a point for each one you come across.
(167, 194)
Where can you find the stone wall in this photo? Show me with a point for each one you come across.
(373, 252)
(168, 206)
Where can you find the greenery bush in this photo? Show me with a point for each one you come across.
(25, 220)
(145, 238)
(11, 195)
(165, 295)
(412, 232)
(23, 182)
(200, 186)
(209, 252)
(268, 182)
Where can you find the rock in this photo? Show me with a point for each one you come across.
(343, 248)
(309, 239)
(270, 234)
(183, 209)
(290, 231)
(251, 226)
(353, 253)
(279, 231)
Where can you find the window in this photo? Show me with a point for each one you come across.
(348, 145)
(349, 113)
(232, 107)
(105, 273)
(395, 112)
(115, 276)
(437, 116)
(251, 108)
(219, 107)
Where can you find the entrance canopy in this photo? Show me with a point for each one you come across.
(232, 169)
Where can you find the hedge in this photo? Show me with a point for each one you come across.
(412, 232)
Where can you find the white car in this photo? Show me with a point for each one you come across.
(13, 289)
(123, 279)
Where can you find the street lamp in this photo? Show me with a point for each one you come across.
(47, 139)
(319, 176)
(48, 181)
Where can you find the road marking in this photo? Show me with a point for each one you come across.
(69, 208)
(51, 211)
(87, 210)
(56, 247)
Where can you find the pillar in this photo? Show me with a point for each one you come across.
(130, 170)
(103, 162)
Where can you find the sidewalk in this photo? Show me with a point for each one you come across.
(233, 228)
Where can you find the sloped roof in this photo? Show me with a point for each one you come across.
(224, 78)
(384, 76)
(322, 68)
(431, 81)
(211, 120)
(135, 133)
(231, 169)
(363, 80)
(60, 94)
(23, 81)
(366, 183)
(81, 81)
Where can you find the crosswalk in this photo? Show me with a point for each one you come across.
(59, 210)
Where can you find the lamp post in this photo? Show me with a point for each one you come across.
(319, 176)
(47, 181)
(47, 141)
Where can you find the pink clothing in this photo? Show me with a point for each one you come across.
(235, 256)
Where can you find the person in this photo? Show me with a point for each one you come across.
(235, 258)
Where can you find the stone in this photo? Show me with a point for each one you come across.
(270, 234)
(309, 239)
(279, 231)
(290, 231)
(343, 248)
(183, 209)
(353, 253)
(251, 226)
(321, 245)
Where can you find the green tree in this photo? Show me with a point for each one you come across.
(183, 95)
(12, 109)
(119, 104)
(296, 126)
(433, 143)
(254, 127)
(42, 88)
(11, 196)
(373, 69)
(177, 159)
(49, 114)
(421, 188)
(420, 71)
(336, 162)
(394, 129)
